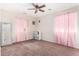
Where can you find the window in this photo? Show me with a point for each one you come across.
(65, 28)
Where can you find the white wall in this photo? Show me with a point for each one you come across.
(77, 37)
(10, 17)
(46, 27)
(0, 51)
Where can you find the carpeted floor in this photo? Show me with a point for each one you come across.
(38, 48)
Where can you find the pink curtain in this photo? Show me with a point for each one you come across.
(21, 29)
(65, 30)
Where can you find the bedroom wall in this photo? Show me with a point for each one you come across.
(0, 51)
(77, 40)
(46, 27)
(11, 17)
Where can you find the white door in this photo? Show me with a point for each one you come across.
(6, 34)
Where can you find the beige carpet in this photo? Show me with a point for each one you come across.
(38, 48)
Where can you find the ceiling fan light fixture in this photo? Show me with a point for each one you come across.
(37, 7)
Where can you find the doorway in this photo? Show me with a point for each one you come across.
(6, 33)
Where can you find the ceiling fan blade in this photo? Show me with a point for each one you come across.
(31, 9)
(41, 10)
(36, 11)
(33, 4)
(42, 6)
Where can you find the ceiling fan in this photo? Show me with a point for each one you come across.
(37, 8)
